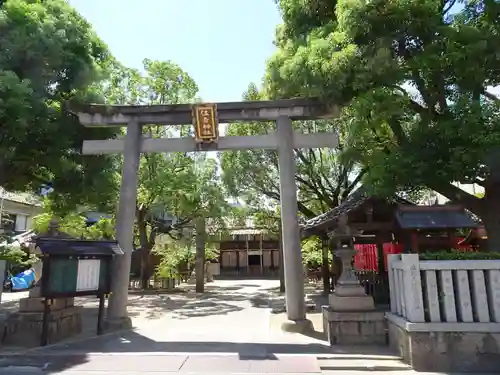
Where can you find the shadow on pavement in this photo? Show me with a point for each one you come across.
(133, 347)
(137, 350)
(217, 300)
(134, 342)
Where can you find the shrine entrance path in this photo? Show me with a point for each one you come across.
(228, 329)
(230, 313)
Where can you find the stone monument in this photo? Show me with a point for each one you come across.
(24, 327)
(208, 272)
(351, 317)
(192, 278)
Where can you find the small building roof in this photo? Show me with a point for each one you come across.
(249, 231)
(64, 246)
(434, 217)
(21, 197)
(353, 202)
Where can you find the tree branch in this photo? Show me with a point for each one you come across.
(459, 196)
(302, 208)
(398, 132)
(491, 96)
(447, 7)
(354, 182)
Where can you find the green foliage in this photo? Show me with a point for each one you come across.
(178, 257)
(182, 184)
(312, 253)
(323, 180)
(50, 55)
(415, 81)
(269, 218)
(238, 216)
(16, 255)
(75, 225)
(459, 255)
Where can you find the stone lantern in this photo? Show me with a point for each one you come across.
(348, 294)
(351, 317)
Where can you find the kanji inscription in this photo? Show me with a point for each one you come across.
(205, 122)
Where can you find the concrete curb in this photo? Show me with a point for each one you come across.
(59, 344)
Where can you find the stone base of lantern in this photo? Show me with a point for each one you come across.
(354, 327)
(351, 318)
(350, 298)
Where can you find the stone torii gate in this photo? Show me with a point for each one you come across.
(205, 118)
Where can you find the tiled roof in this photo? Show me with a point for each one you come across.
(434, 217)
(355, 200)
(20, 197)
(57, 246)
(250, 231)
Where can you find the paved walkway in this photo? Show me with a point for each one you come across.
(228, 329)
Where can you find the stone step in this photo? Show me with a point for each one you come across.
(360, 362)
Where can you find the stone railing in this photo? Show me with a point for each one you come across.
(452, 291)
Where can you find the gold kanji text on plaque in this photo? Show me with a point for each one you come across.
(205, 122)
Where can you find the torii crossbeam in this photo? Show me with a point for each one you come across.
(205, 118)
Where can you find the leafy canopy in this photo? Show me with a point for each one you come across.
(415, 78)
(49, 54)
(182, 185)
(323, 181)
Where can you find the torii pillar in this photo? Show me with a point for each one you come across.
(285, 140)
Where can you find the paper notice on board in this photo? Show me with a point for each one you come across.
(88, 275)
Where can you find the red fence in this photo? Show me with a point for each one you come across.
(367, 258)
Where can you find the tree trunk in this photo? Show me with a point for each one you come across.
(200, 255)
(491, 215)
(145, 274)
(144, 250)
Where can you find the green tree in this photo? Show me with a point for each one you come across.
(184, 185)
(48, 55)
(75, 225)
(72, 224)
(415, 78)
(178, 257)
(323, 180)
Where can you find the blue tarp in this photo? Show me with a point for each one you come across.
(23, 280)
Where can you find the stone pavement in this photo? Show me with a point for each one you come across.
(227, 330)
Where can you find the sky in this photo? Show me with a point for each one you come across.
(222, 44)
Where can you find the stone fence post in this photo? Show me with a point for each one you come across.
(412, 288)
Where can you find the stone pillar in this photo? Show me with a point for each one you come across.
(292, 256)
(117, 308)
(200, 255)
